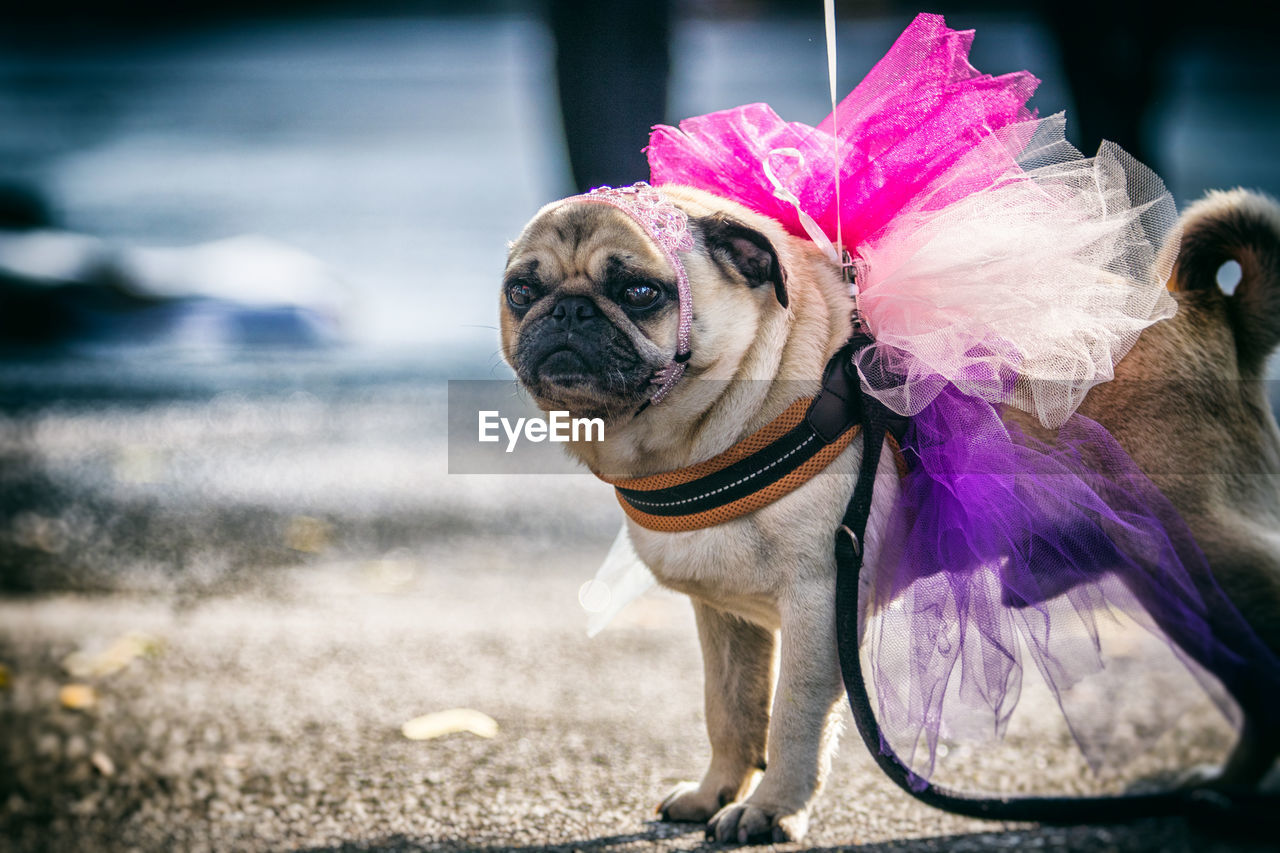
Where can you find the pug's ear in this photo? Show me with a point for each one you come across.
(746, 250)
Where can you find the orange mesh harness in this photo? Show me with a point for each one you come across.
(761, 468)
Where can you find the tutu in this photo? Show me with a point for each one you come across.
(997, 267)
(1025, 291)
(1002, 547)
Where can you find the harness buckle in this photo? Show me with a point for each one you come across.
(850, 268)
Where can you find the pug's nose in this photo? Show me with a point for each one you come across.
(574, 311)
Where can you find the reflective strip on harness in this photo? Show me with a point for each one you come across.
(738, 482)
(782, 478)
(773, 461)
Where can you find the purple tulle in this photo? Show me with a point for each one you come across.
(1001, 543)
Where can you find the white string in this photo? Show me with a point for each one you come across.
(829, 10)
(834, 251)
(780, 192)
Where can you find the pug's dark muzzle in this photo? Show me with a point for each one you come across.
(573, 357)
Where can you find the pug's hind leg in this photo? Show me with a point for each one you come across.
(1246, 567)
(1246, 563)
(737, 658)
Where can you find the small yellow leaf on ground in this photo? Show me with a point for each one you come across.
(103, 763)
(387, 575)
(109, 661)
(5, 678)
(454, 720)
(77, 697)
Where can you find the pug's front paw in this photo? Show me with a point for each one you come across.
(757, 823)
(690, 802)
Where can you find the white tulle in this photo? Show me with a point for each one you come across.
(621, 579)
(1029, 289)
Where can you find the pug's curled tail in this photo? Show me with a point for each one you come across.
(1241, 226)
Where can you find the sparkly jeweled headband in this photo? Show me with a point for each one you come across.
(668, 227)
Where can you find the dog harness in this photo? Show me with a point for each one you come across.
(763, 467)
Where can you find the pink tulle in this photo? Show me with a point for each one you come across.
(919, 111)
(995, 257)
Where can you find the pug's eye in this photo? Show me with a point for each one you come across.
(640, 295)
(520, 295)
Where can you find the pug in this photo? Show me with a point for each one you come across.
(591, 316)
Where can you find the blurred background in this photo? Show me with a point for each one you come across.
(243, 246)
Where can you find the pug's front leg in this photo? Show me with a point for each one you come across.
(802, 729)
(737, 658)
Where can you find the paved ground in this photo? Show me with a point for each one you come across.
(269, 718)
(263, 569)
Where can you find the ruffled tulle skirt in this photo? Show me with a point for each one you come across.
(1006, 550)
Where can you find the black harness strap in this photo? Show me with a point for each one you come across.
(727, 485)
(1258, 809)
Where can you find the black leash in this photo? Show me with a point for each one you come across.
(1259, 810)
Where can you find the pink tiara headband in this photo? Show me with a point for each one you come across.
(668, 227)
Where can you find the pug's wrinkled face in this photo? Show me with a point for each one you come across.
(586, 297)
(590, 308)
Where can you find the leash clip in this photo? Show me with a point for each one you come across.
(851, 267)
(853, 539)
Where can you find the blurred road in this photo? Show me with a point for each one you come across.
(235, 599)
(268, 718)
(403, 152)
